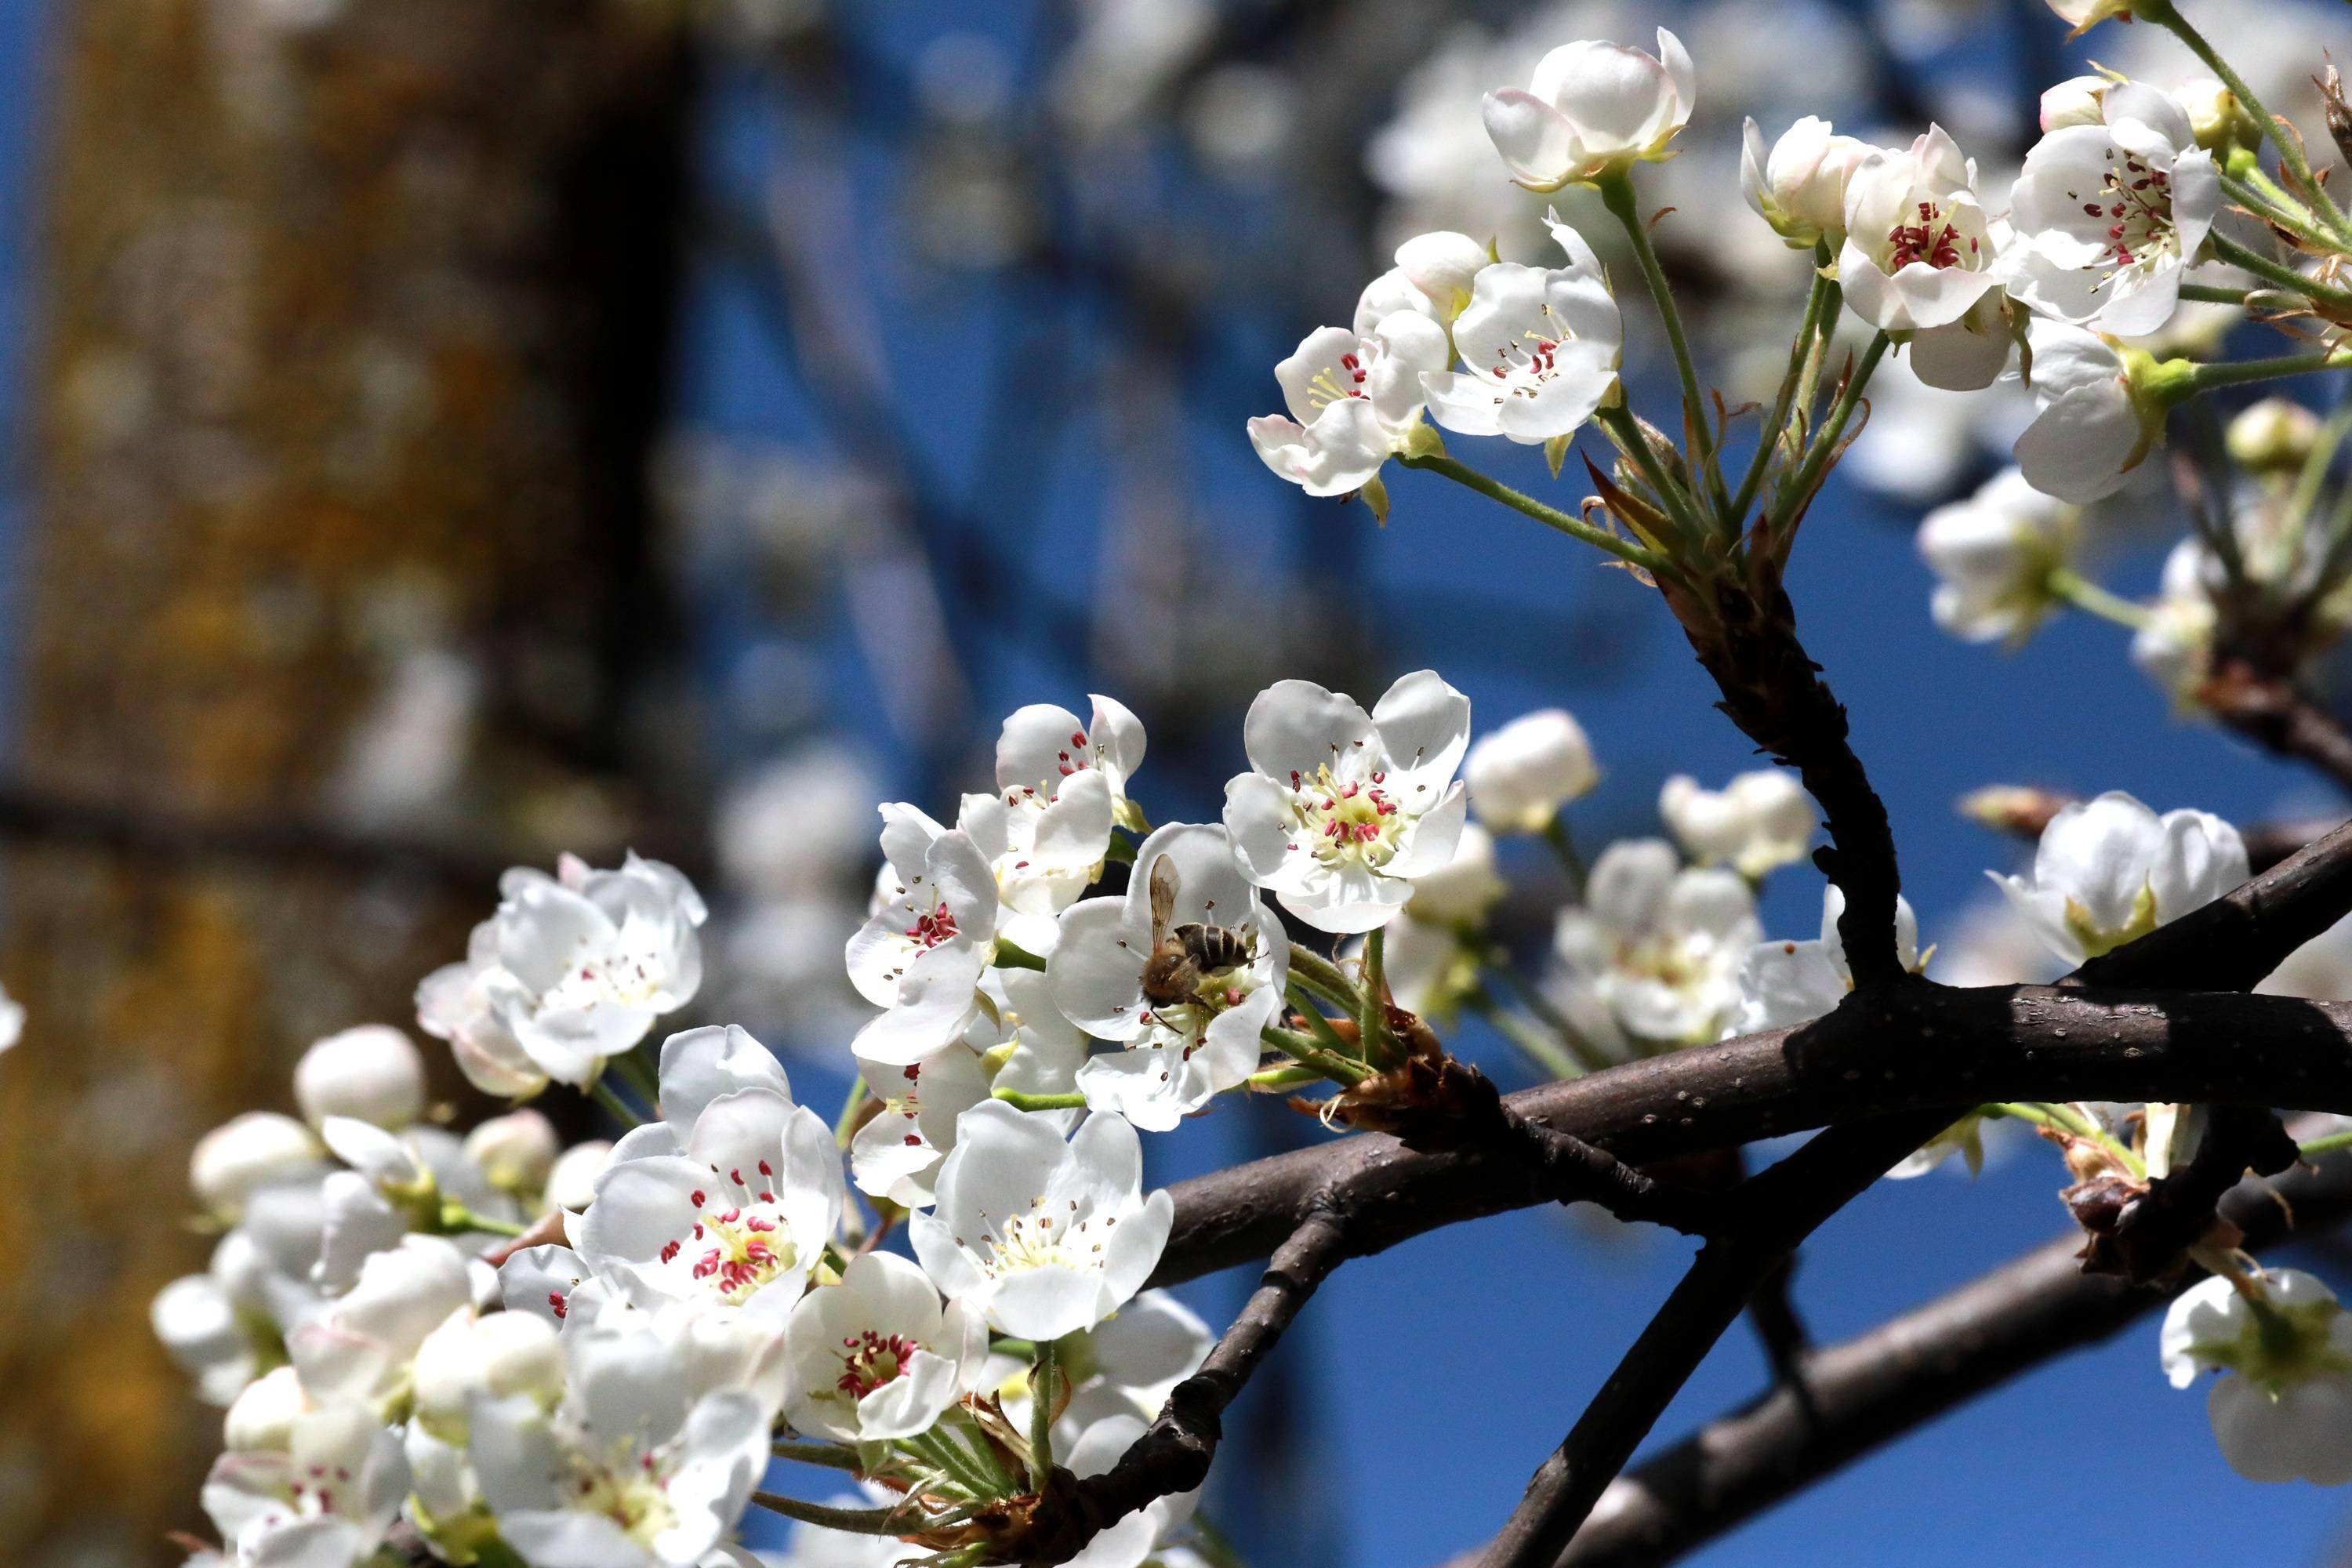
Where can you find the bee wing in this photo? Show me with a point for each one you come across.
(1163, 897)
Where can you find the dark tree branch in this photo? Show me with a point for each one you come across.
(2274, 712)
(2152, 1229)
(1873, 1057)
(1174, 1453)
(1776, 1210)
(1869, 1390)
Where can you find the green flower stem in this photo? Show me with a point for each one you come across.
(845, 1124)
(952, 1460)
(2205, 378)
(1589, 1057)
(2258, 195)
(958, 1426)
(2213, 294)
(1800, 349)
(1330, 1059)
(1012, 956)
(1624, 433)
(641, 1080)
(1816, 456)
(457, 1219)
(1020, 1101)
(2066, 1120)
(832, 1456)
(2084, 594)
(1322, 978)
(856, 1521)
(1550, 517)
(1371, 1017)
(1617, 196)
(2327, 1145)
(2164, 15)
(1297, 1076)
(2278, 272)
(1556, 834)
(1531, 1042)
(1214, 1546)
(1041, 1417)
(614, 1106)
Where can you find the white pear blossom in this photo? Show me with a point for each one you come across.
(895, 1152)
(475, 1355)
(2082, 16)
(1919, 248)
(1969, 355)
(1592, 110)
(1443, 265)
(2074, 103)
(515, 1153)
(2175, 648)
(1994, 554)
(1354, 401)
(324, 1502)
(1540, 348)
(2110, 871)
(361, 1347)
(1041, 745)
(726, 1203)
(1125, 1365)
(644, 1462)
(1341, 810)
(1652, 955)
(921, 954)
(2109, 216)
(2092, 425)
(1464, 888)
(2284, 1410)
(572, 969)
(1522, 773)
(1136, 1538)
(373, 1072)
(254, 1150)
(1783, 983)
(878, 1355)
(263, 1417)
(1179, 1052)
(1799, 187)
(572, 1183)
(1759, 821)
(1039, 1237)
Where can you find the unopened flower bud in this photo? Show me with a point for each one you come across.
(1799, 186)
(515, 1153)
(1444, 266)
(571, 1184)
(1758, 821)
(495, 1356)
(262, 1419)
(372, 1073)
(2021, 810)
(259, 1147)
(2220, 121)
(1464, 888)
(1521, 775)
(2273, 436)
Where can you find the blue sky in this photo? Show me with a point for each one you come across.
(1427, 1383)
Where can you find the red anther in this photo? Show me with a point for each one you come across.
(558, 1305)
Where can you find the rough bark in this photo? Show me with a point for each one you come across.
(352, 339)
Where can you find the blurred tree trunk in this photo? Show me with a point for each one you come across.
(354, 323)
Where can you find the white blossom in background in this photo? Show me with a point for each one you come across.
(253, 1149)
(1783, 983)
(2271, 435)
(1040, 1236)
(572, 969)
(644, 1462)
(2090, 428)
(795, 826)
(1994, 554)
(921, 955)
(572, 1181)
(1125, 1365)
(1179, 1051)
(2175, 649)
(1592, 110)
(1654, 953)
(878, 1355)
(2084, 15)
(2110, 871)
(1354, 402)
(1136, 1538)
(1917, 250)
(1341, 809)
(1798, 186)
(475, 1355)
(516, 1154)
(373, 1072)
(1759, 821)
(12, 1021)
(1463, 890)
(1539, 349)
(361, 1348)
(1521, 774)
(2108, 216)
(2283, 1411)
(2320, 970)
(325, 1501)
(1923, 440)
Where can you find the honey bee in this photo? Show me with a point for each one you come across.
(1183, 956)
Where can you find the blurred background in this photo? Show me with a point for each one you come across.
(443, 433)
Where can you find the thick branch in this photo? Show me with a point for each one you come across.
(1867, 1391)
(2273, 713)
(1777, 1210)
(1174, 1453)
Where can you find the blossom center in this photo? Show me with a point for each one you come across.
(738, 1243)
(1357, 823)
(1932, 239)
(869, 1360)
(1525, 363)
(634, 1497)
(933, 928)
(2138, 200)
(1037, 1240)
(1336, 382)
